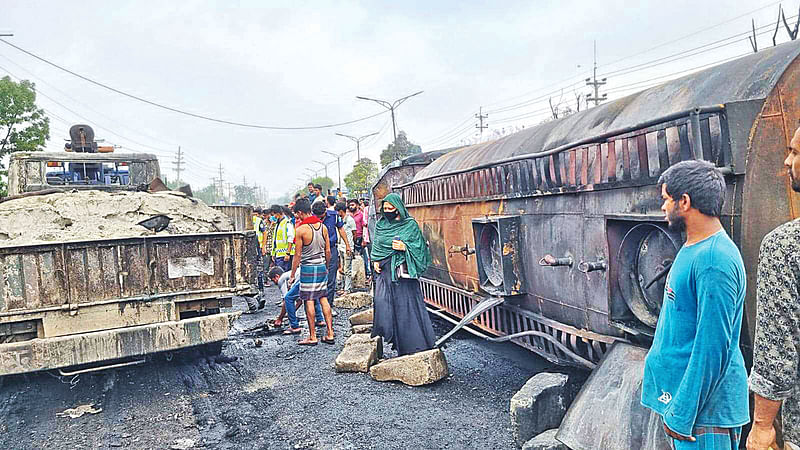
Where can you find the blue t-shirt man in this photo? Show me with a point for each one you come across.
(694, 374)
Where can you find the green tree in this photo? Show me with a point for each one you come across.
(363, 175)
(244, 195)
(208, 194)
(399, 149)
(23, 125)
(325, 182)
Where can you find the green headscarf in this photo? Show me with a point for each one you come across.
(417, 256)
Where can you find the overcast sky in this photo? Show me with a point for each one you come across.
(291, 64)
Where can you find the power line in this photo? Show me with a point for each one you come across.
(180, 111)
(692, 34)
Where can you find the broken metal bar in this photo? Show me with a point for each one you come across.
(484, 305)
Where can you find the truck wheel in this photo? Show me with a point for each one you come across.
(212, 348)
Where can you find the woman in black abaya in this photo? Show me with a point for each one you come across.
(400, 256)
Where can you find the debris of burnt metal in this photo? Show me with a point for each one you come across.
(156, 223)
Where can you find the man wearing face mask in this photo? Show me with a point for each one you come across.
(283, 248)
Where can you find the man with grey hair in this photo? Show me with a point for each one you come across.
(774, 378)
(694, 373)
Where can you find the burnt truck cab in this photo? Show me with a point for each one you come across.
(36, 171)
(82, 305)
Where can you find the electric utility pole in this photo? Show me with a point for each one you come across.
(595, 83)
(221, 182)
(480, 116)
(178, 163)
(357, 140)
(391, 106)
(338, 164)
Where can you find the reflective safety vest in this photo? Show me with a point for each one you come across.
(284, 238)
(257, 228)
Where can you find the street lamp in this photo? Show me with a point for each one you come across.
(357, 140)
(323, 165)
(391, 107)
(338, 164)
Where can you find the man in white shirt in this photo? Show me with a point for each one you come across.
(345, 249)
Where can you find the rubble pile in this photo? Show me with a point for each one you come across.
(85, 215)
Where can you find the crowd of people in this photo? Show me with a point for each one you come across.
(313, 235)
(310, 244)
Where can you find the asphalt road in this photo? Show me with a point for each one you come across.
(274, 396)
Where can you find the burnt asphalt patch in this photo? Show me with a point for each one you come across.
(276, 395)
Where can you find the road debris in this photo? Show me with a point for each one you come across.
(354, 300)
(183, 444)
(74, 413)
(362, 318)
(360, 352)
(417, 369)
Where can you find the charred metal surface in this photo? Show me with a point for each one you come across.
(612, 162)
(607, 411)
(66, 351)
(27, 170)
(34, 277)
(240, 215)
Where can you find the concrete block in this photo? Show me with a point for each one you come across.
(540, 405)
(362, 329)
(416, 369)
(545, 441)
(362, 318)
(354, 300)
(360, 352)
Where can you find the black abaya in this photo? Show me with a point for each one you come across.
(400, 316)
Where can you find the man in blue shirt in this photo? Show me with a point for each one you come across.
(335, 232)
(694, 373)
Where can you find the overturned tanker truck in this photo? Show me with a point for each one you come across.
(553, 237)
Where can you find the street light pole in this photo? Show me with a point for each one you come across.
(323, 165)
(391, 106)
(338, 164)
(358, 140)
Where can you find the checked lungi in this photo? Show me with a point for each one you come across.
(313, 281)
(716, 438)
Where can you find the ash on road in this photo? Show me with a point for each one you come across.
(275, 396)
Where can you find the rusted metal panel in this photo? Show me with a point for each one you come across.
(240, 215)
(48, 275)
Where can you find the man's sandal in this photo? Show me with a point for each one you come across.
(289, 331)
(330, 341)
(307, 342)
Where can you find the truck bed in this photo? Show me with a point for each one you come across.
(49, 290)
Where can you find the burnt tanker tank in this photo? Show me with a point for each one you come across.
(561, 225)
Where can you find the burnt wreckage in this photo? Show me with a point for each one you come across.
(557, 230)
